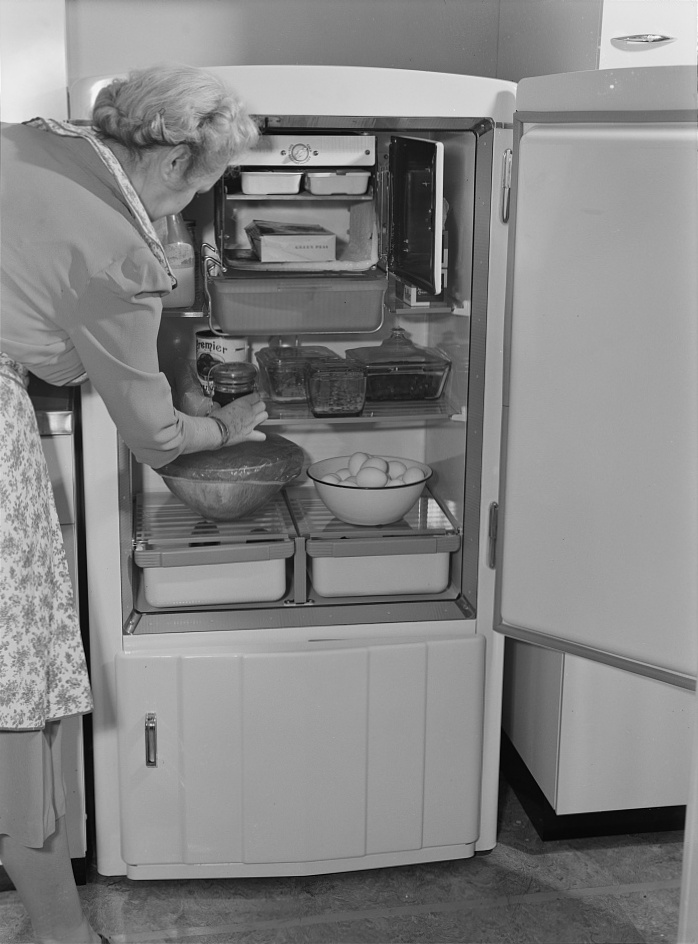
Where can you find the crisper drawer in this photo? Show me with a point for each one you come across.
(187, 561)
(411, 556)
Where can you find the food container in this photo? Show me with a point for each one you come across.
(367, 505)
(283, 370)
(397, 369)
(184, 561)
(347, 182)
(335, 388)
(270, 181)
(235, 481)
(291, 242)
(226, 382)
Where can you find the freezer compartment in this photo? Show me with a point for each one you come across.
(351, 220)
(270, 304)
(411, 556)
(186, 561)
(300, 752)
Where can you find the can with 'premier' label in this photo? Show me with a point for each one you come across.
(212, 348)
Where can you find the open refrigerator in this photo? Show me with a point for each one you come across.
(337, 704)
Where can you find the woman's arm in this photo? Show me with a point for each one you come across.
(114, 327)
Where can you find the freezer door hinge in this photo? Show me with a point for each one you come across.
(506, 184)
(492, 535)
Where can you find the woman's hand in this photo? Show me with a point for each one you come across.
(242, 417)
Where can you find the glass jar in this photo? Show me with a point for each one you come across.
(228, 381)
(335, 388)
(178, 244)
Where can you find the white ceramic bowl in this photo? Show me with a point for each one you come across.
(366, 506)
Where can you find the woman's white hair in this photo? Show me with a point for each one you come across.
(166, 105)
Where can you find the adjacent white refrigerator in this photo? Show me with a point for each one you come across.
(566, 463)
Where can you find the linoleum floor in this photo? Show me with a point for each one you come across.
(526, 891)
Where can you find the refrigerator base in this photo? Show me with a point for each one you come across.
(320, 867)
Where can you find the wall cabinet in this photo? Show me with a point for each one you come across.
(596, 738)
(544, 37)
(648, 33)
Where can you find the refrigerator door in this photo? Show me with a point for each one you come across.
(597, 550)
(416, 223)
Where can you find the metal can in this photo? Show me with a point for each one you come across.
(212, 348)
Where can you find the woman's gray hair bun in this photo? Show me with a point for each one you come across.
(167, 105)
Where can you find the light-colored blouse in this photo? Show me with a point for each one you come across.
(81, 290)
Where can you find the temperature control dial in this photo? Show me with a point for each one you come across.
(299, 153)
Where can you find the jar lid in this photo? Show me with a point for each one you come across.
(233, 375)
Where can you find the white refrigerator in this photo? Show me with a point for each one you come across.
(582, 479)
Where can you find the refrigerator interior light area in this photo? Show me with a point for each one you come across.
(288, 730)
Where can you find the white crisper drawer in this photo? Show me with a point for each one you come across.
(187, 561)
(410, 556)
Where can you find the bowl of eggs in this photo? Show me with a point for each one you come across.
(368, 489)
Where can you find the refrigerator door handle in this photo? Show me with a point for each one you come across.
(640, 39)
(151, 740)
(492, 536)
(506, 184)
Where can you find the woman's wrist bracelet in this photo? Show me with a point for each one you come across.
(225, 431)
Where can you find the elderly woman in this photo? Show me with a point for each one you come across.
(83, 279)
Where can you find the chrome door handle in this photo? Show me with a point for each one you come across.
(639, 39)
(151, 740)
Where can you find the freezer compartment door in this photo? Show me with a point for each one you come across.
(597, 551)
(312, 757)
(416, 211)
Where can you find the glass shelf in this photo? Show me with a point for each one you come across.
(393, 413)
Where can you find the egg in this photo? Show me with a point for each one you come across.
(342, 474)
(356, 461)
(331, 478)
(371, 477)
(396, 468)
(376, 462)
(413, 474)
(350, 482)
(391, 483)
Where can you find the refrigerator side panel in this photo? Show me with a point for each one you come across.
(600, 517)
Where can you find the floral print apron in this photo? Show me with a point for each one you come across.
(43, 673)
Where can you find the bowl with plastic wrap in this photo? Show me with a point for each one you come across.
(235, 481)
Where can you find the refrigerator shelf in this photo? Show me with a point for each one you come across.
(167, 533)
(381, 413)
(426, 519)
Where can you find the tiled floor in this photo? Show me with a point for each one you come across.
(601, 890)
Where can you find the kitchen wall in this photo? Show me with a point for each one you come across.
(438, 35)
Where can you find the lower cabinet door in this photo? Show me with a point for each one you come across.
(325, 752)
